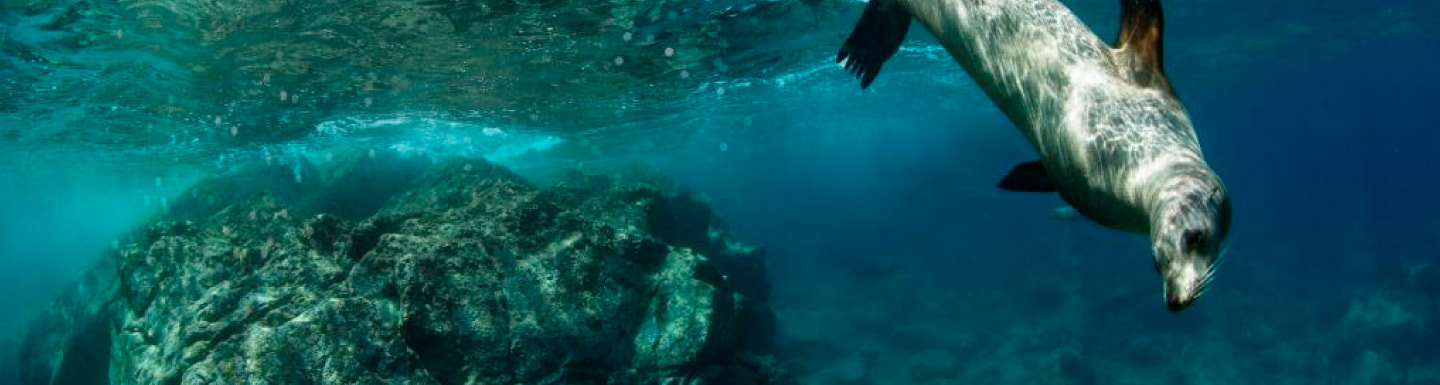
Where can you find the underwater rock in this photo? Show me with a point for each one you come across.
(69, 342)
(1394, 320)
(468, 273)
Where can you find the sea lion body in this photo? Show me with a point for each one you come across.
(1112, 138)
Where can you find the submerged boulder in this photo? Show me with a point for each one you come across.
(467, 274)
(70, 343)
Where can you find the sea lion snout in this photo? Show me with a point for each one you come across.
(1183, 284)
(1189, 232)
(1177, 304)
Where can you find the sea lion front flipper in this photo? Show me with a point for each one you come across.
(875, 39)
(1027, 177)
(1142, 26)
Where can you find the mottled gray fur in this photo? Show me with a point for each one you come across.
(1119, 149)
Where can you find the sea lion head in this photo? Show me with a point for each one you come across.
(1188, 232)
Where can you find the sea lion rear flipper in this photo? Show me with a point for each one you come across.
(1027, 177)
(1142, 26)
(875, 39)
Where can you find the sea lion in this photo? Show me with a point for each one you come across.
(1113, 139)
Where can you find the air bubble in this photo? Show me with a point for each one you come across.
(627, 36)
(369, 101)
(159, 182)
(217, 120)
(234, 130)
(720, 91)
(284, 96)
(684, 74)
(299, 178)
(115, 244)
(669, 52)
(619, 60)
(295, 98)
(119, 34)
(372, 153)
(468, 167)
(724, 147)
(265, 79)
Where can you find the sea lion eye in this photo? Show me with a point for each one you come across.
(1193, 239)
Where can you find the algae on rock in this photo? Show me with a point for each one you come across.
(463, 273)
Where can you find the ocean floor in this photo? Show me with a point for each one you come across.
(1023, 321)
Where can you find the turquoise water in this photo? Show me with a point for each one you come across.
(891, 251)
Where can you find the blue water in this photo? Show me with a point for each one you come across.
(888, 244)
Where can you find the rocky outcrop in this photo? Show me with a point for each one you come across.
(466, 274)
(70, 343)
